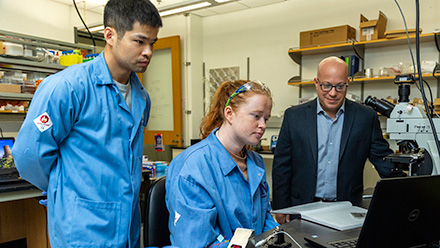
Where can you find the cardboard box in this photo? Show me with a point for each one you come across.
(11, 88)
(333, 35)
(374, 29)
(401, 33)
(391, 100)
(436, 104)
(2, 48)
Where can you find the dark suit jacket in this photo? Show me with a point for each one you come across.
(294, 172)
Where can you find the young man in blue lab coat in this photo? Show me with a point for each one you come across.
(83, 135)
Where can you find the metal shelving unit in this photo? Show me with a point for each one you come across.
(296, 55)
(21, 63)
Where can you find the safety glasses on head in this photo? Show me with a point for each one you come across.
(246, 87)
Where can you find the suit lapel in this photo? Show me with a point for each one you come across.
(349, 116)
(313, 129)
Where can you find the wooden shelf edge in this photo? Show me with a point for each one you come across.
(390, 78)
(365, 79)
(301, 83)
(344, 45)
(12, 112)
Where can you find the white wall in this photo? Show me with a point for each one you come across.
(43, 18)
(263, 34)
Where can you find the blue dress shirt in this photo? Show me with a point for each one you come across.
(329, 142)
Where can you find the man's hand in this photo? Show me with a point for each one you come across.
(282, 218)
(43, 201)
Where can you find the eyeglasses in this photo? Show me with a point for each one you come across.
(246, 87)
(326, 87)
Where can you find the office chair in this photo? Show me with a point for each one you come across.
(156, 232)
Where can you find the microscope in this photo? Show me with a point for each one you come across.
(410, 127)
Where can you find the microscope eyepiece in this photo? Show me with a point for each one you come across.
(380, 105)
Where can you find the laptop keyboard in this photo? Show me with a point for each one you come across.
(344, 243)
(8, 177)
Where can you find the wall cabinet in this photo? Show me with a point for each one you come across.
(359, 48)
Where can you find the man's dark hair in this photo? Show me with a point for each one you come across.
(122, 14)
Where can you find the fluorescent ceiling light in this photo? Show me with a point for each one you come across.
(98, 2)
(97, 28)
(183, 9)
(222, 1)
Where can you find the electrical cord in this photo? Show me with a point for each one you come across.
(436, 68)
(431, 107)
(436, 41)
(430, 103)
(419, 68)
(407, 37)
(270, 237)
(87, 28)
(355, 51)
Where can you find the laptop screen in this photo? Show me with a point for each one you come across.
(404, 212)
(6, 161)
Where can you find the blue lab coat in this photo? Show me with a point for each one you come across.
(208, 197)
(81, 143)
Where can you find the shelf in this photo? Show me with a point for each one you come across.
(301, 82)
(377, 78)
(12, 112)
(29, 65)
(42, 42)
(371, 79)
(22, 64)
(16, 96)
(33, 42)
(296, 54)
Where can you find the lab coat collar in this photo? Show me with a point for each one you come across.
(101, 71)
(103, 77)
(228, 164)
(256, 173)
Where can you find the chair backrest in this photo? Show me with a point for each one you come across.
(156, 232)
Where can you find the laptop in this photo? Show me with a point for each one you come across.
(9, 177)
(404, 212)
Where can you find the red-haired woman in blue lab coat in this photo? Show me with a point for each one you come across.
(217, 185)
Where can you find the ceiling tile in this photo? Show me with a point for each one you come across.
(164, 3)
(63, 1)
(98, 9)
(226, 8)
(97, 6)
(204, 12)
(258, 3)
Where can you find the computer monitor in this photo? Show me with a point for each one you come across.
(6, 161)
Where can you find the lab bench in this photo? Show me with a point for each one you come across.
(23, 219)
